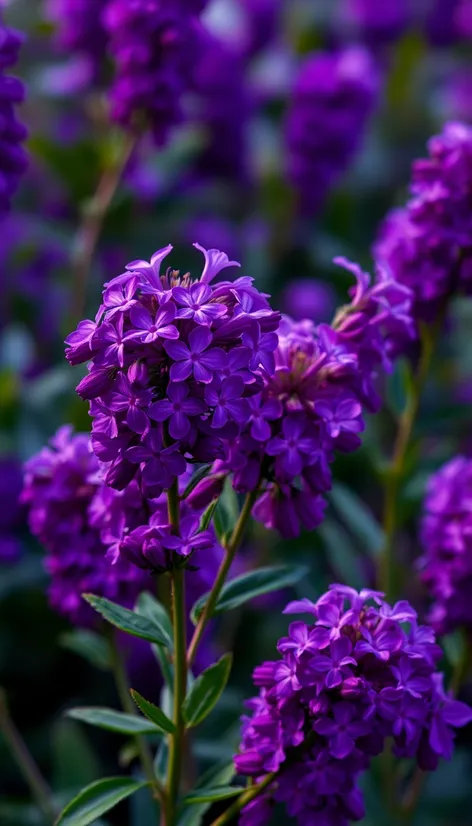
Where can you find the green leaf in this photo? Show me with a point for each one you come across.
(221, 774)
(74, 762)
(253, 584)
(97, 799)
(148, 606)
(88, 645)
(196, 478)
(126, 620)
(153, 713)
(455, 647)
(358, 518)
(208, 795)
(206, 691)
(207, 515)
(226, 513)
(341, 554)
(161, 760)
(112, 720)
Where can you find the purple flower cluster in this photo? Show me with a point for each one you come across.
(79, 27)
(376, 23)
(315, 387)
(10, 509)
(363, 671)
(13, 158)
(154, 45)
(446, 538)
(333, 97)
(60, 483)
(173, 366)
(427, 245)
(90, 531)
(223, 110)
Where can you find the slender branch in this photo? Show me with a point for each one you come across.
(231, 549)
(180, 666)
(243, 799)
(122, 687)
(396, 471)
(26, 763)
(89, 232)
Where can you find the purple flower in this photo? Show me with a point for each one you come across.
(150, 328)
(343, 416)
(334, 664)
(343, 730)
(160, 464)
(446, 538)
(195, 359)
(189, 539)
(178, 407)
(195, 304)
(13, 158)
(262, 412)
(292, 448)
(226, 401)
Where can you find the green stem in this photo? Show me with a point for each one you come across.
(243, 800)
(180, 667)
(122, 687)
(30, 771)
(396, 472)
(231, 549)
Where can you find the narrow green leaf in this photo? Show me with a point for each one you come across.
(89, 645)
(96, 799)
(341, 554)
(196, 478)
(166, 667)
(127, 621)
(250, 585)
(148, 606)
(208, 795)
(206, 691)
(161, 760)
(112, 720)
(207, 515)
(221, 774)
(358, 518)
(153, 713)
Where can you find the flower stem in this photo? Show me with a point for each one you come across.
(244, 799)
(122, 687)
(30, 771)
(180, 667)
(89, 232)
(231, 549)
(396, 471)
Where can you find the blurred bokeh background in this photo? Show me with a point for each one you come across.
(291, 141)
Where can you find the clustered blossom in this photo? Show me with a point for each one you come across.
(446, 538)
(362, 672)
(10, 509)
(316, 385)
(79, 27)
(427, 245)
(13, 158)
(60, 483)
(333, 97)
(376, 23)
(154, 45)
(223, 109)
(83, 524)
(173, 365)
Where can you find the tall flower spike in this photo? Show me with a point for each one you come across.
(154, 45)
(427, 245)
(344, 683)
(333, 97)
(446, 538)
(315, 387)
(13, 158)
(159, 353)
